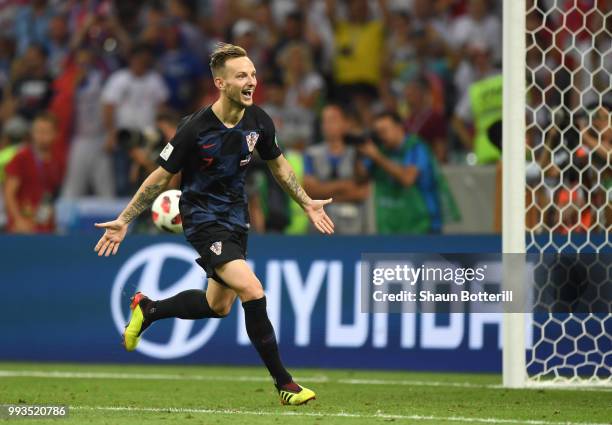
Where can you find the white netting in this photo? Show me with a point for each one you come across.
(569, 139)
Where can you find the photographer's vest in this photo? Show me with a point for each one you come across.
(348, 217)
(399, 209)
(486, 98)
(298, 221)
(6, 155)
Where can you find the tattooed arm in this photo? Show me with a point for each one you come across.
(153, 185)
(284, 175)
(115, 230)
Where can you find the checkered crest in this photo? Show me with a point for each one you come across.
(251, 139)
(216, 247)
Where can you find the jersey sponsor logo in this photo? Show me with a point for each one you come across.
(216, 248)
(251, 139)
(143, 272)
(166, 152)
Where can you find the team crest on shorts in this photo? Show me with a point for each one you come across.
(251, 139)
(216, 248)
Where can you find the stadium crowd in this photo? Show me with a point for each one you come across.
(369, 98)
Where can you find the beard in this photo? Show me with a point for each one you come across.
(234, 94)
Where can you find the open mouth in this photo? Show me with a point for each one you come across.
(248, 93)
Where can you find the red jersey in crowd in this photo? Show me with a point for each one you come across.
(39, 180)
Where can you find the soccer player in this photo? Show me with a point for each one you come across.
(212, 148)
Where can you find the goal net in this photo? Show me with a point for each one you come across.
(567, 197)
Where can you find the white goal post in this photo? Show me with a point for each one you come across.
(513, 178)
(556, 180)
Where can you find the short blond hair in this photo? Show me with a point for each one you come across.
(222, 53)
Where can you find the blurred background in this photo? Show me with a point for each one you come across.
(91, 90)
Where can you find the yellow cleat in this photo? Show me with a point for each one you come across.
(136, 325)
(293, 394)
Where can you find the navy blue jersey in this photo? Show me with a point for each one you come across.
(213, 159)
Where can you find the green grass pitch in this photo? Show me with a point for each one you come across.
(129, 394)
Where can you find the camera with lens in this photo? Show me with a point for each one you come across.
(152, 139)
(357, 139)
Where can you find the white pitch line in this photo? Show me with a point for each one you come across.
(378, 415)
(152, 376)
(243, 378)
(416, 383)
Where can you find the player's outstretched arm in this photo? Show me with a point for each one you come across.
(284, 175)
(115, 230)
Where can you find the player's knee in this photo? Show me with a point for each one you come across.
(222, 310)
(221, 307)
(250, 293)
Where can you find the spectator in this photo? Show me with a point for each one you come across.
(480, 107)
(31, 89)
(99, 29)
(427, 62)
(359, 50)
(409, 190)
(329, 171)
(266, 25)
(89, 165)
(131, 99)
(32, 181)
(292, 32)
(476, 64)
(31, 24)
(145, 151)
(293, 123)
(594, 154)
(14, 132)
(7, 51)
(144, 160)
(303, 88)
(183, 12)
(423, 120)
(477, 26)
(319, 33)
(572, 214)
(399, 54)
(244, 34)
(275, 105)
(304, 85)
(57, 43)
(428, 17)
(267, 200)
(183, 72)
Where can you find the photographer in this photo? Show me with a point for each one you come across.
(329, 172)
(144, 147)
(408, 186)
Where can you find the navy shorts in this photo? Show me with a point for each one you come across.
(217, 245)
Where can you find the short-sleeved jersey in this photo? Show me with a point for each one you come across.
(213, 159)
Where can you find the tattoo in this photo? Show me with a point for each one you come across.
(142, 201)
(292, 187)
